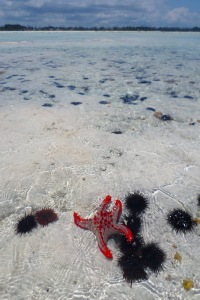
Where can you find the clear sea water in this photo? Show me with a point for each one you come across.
(148, 64)
(78, 122)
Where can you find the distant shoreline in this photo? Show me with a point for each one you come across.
(119, 31)
(17, 27)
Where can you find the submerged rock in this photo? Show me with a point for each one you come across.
(76, 103)
(47, 105)
(129, 99)
(159, 115)
(166, 118)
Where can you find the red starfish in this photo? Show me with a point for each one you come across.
(104, 224)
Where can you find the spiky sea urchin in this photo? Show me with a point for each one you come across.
(136, 202)
(130, 248)
(180, 220)
(134, 223)
(45, 216)
(26, 224)
(132, 268)
(153, 257)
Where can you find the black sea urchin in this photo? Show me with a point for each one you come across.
(130, 248)
(180, 220)
(132, 268)
(136, 203)
(26, 224)
(153, 257)
(134, 223)
(45, 216)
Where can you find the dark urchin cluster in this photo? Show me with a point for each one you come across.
(134, 223)
(43, 216)
(136, 203)
(130, 260)
(180, 220)
(26, 224)
(136, 257)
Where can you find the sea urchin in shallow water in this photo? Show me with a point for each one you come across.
(134, 223)
(129, 248)
(132, 268)
(45, 216)
(136, 203)
(180, 220)
(153, 257)
(26, 224)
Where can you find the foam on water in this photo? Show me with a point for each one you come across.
(77, 122)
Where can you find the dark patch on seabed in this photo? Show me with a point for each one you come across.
(103, 102)
(103, 80)
(143, 98)
(117, 132)
(188, 97)
(130, 99)
(42, 92)
(76, 103)
(71, 87)
(58, 85)
(6, 88)
(51, 96)
(145, 82)
(150, 108)
(11, 76)
(173, 94)
(47, 105)
(166, 118)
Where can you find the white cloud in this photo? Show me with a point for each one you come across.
(182, 16)
(36, 3)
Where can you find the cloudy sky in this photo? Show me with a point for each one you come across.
(108, 13)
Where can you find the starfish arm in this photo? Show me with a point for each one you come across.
(116, 211)
(105, 203)
(125, 231)
(82, 223)
(103, 247)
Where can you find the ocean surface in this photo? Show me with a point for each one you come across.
(83, 115)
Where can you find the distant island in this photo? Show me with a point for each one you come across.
(18, 27)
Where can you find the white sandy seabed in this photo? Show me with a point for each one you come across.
(68, 158)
